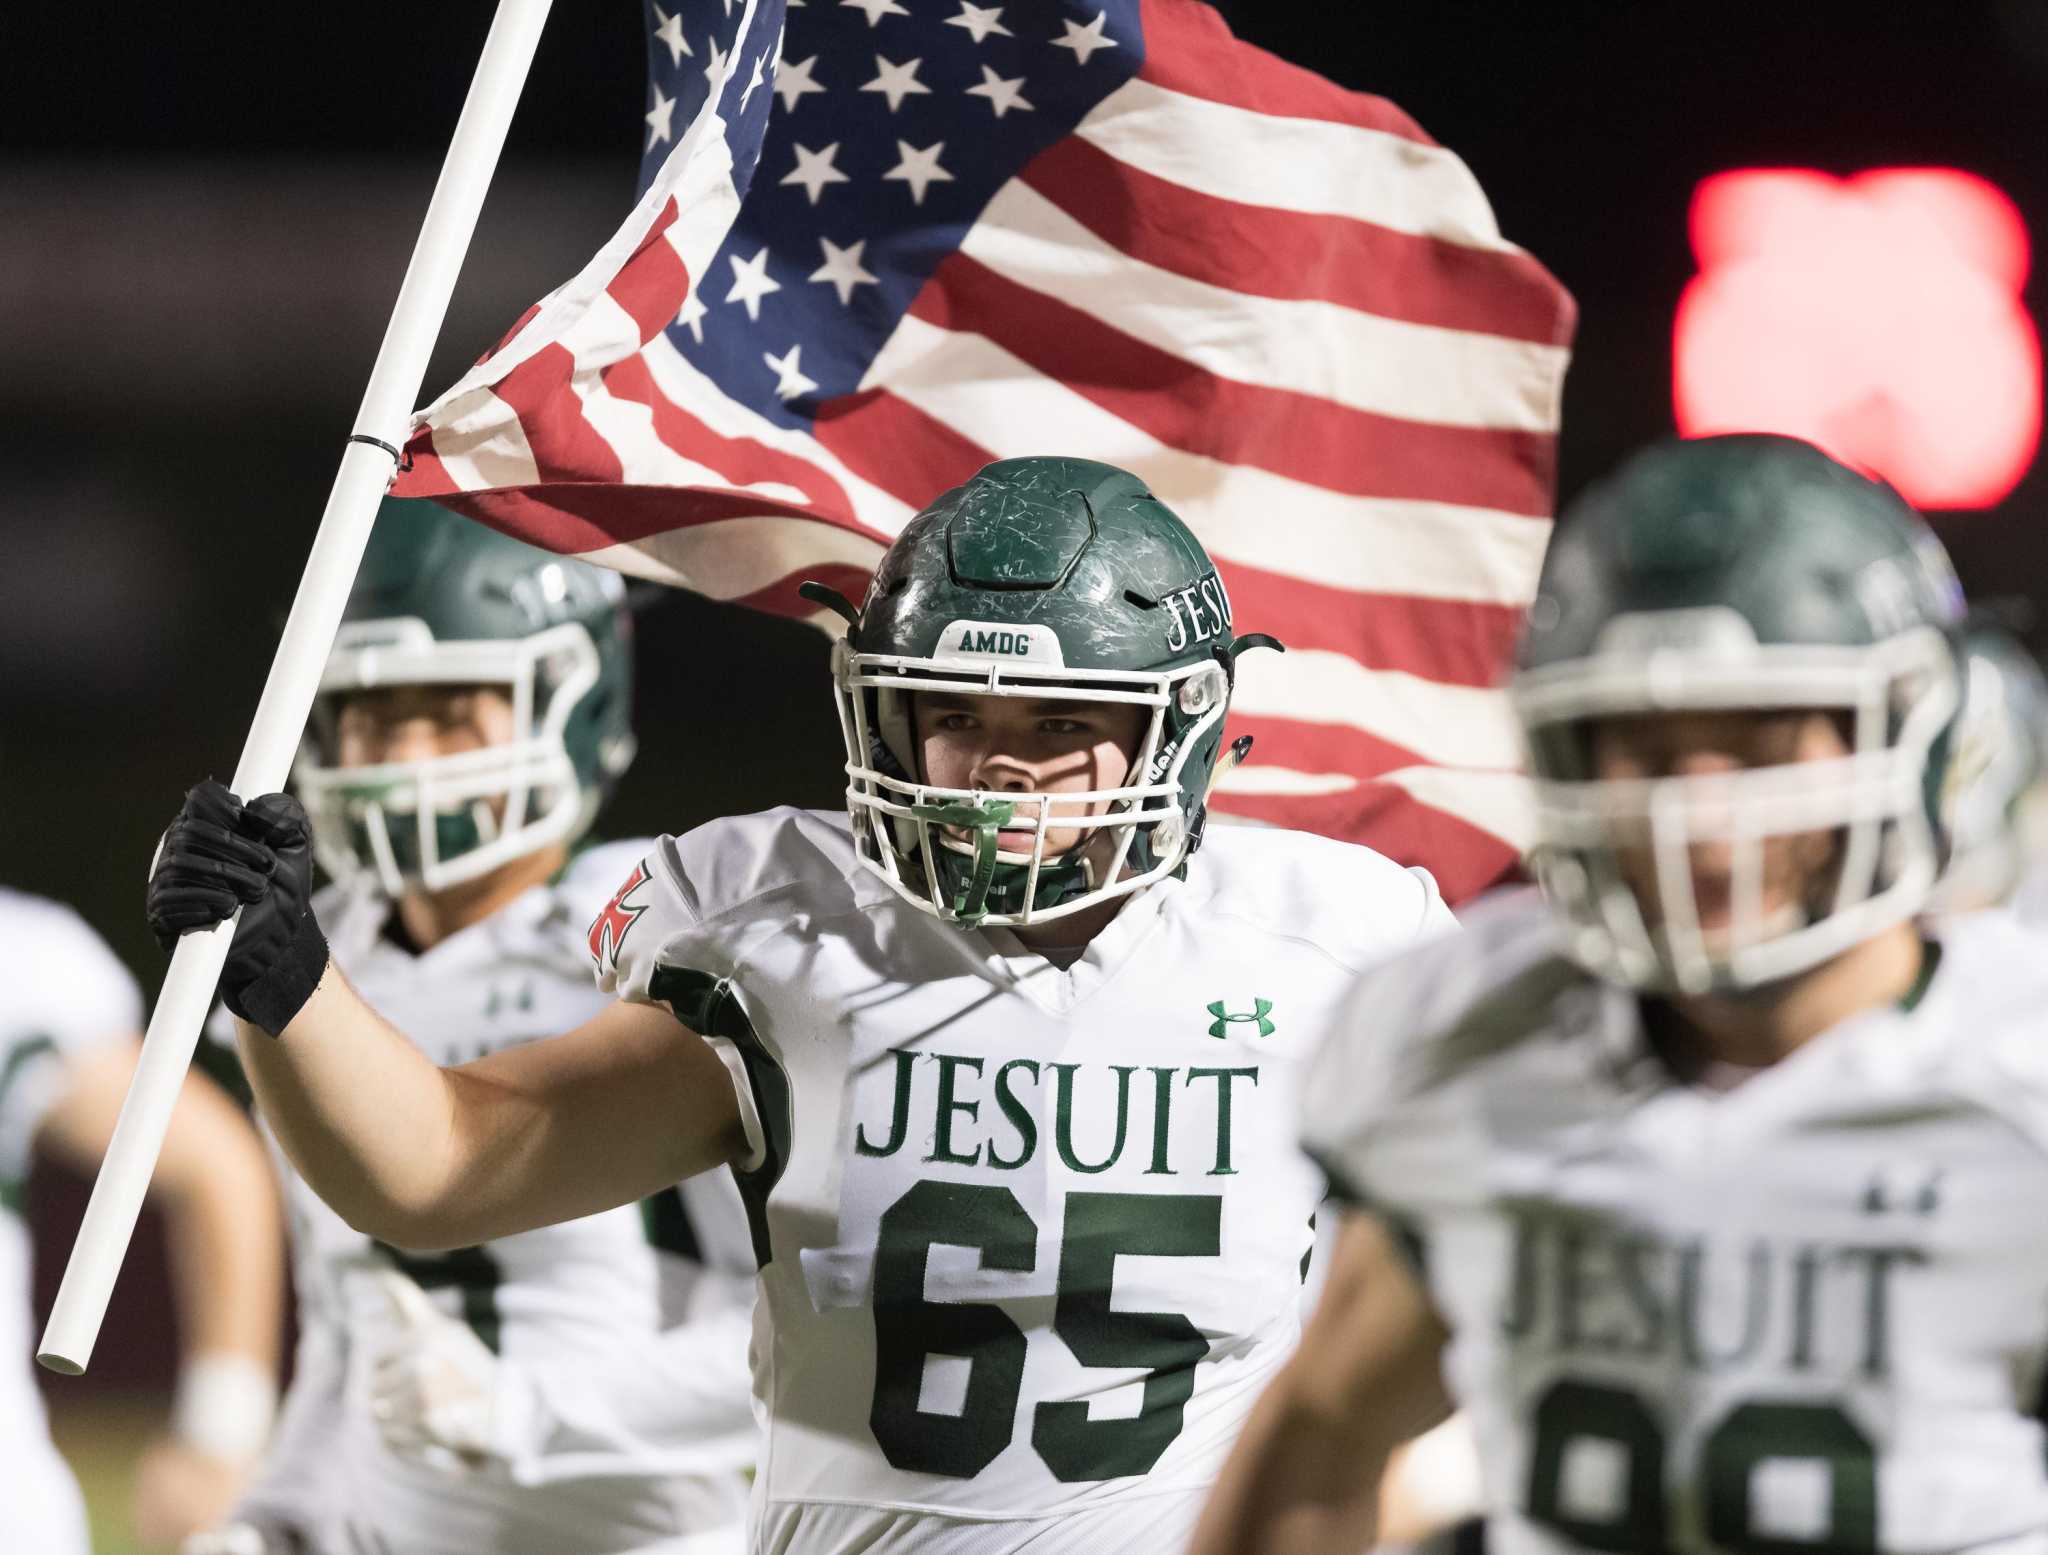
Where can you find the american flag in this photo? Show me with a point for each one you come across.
(882, 242)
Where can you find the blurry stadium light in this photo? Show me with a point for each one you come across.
(1878, 316)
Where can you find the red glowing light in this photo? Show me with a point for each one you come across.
(1878, 316)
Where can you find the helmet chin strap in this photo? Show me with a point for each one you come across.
(1233, 757)
(985, 818)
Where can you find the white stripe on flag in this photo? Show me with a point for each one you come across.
(1495, 802)
(730, 557)
(1283, 782)
(481, 443)
(1305, 165)
(1417, 372)
(628, 426)
(1498, 802)
(686, 385)
(1452, 726)
(1431, 550)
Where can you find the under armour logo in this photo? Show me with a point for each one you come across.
(1260, 1009)
(1899, 1188)
(498, 1003)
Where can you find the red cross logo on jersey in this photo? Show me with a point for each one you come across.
(608, 931)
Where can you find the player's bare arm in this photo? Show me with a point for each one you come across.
(1304, 1478)
(225, 1231)
(429, 1158)
(410, 1153)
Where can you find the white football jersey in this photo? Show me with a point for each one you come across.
(600, 1312)
(1032, 1239)
(62, 992)
(1807, 1313)
(2029, 901)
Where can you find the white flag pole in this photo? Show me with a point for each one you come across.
(367, 465)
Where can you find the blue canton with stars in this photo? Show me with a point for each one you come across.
(863, 157)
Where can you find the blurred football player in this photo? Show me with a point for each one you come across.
(583, 1387)
(1004, 1066)
(1997, 809)
(70, 1016)
(1708, 1185)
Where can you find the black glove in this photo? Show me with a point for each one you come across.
(220, 854)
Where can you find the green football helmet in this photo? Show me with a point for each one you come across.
(442, 600)
(1997, 799)
(1040, 577)
(1738, 573)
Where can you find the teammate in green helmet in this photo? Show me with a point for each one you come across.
(530, 654)
(1754, 577)
(1707, 1188)
(1004, 1068)
(583, 1386)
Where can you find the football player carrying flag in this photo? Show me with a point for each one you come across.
(1105, 229)
(1003, 1059)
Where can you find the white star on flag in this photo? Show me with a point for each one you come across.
(1084, 41)
(842, 268)
(751, 282)
(919, 169)
(790, 380)
(714, 67)
(875, 10)
(753, 81)
(692, 316)
(671, 32)
(814, 170)
(1002, 95)
(897, 82)
(793, 82)
(658, 117)
(980, 20)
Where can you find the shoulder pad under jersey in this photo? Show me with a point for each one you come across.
(1421, 1020)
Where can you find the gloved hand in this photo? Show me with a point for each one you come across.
(434, 1386)
(220, 854)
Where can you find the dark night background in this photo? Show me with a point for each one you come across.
(205, 213)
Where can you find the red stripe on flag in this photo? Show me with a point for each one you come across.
(908, 453)
(892, 444)
(421, 472)
(571, 519)
(742, 461)
(1189, 48)
(1302, 746)
(1289, 255)
(781, 597)
(1456, 642)
(652, 284)
(1296, 435)
(565, 446)
(1464, 859)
